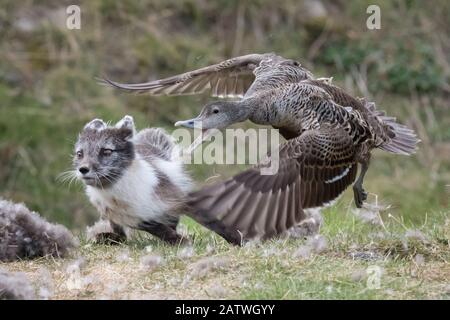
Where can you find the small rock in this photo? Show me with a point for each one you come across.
(365, 255)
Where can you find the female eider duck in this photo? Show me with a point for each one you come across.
(328, 132)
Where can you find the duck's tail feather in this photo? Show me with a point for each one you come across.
(402, 140)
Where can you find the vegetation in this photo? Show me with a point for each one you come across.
(48, 92)
(412, 263)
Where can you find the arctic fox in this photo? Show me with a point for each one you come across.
(134, 179)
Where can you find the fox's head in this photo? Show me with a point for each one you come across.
(103, 153)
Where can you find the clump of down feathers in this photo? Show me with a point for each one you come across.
(15, 286)
(25, 234)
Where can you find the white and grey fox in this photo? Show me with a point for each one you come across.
(134, 179)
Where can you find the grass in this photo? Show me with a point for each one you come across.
(414, 267)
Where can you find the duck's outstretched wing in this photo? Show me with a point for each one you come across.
(229, 78)
(314, 169)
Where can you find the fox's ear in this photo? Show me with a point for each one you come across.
(96, 124)
(127, 122)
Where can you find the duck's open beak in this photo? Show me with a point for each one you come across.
(195, 123)
(192, 123)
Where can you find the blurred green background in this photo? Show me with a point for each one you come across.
(48, 92)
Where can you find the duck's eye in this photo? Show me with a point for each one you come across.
(79, 154)
(106, 152)
(215, 110)
(295, 63)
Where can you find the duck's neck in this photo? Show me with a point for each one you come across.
(261, 110)
(242, 110)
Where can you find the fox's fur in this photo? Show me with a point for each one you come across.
(141, 184)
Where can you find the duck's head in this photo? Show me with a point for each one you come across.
(218, 115)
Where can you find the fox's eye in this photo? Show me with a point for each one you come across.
(106, 152)
(215, 110)
(79, 154)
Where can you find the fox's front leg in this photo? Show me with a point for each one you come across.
(116, 236)
(166, 232)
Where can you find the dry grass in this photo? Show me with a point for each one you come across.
(414, 264)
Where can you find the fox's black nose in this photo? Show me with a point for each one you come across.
(84, 170)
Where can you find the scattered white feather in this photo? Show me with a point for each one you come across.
(75, 265)
(259, 286)
(314, 245)
(419, 259)
(75, 279)
(113, 290)
(271, 251)
(183, 230)
(377, 235)
(309, 226)
(329, 289)
(210, 248)
(186, 252)
(217, 290)
(150, 262)
(370, 213)
(303, 252)
(447, 289)
(415, 235)
(252, 243)
(15, 286)
(45, 284)
(318, 243)
(205, 266)
(123, 256)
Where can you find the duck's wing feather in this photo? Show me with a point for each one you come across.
(314, 169)
(277, 72)
(229, 78)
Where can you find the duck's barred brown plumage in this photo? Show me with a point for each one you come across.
(328, 131)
